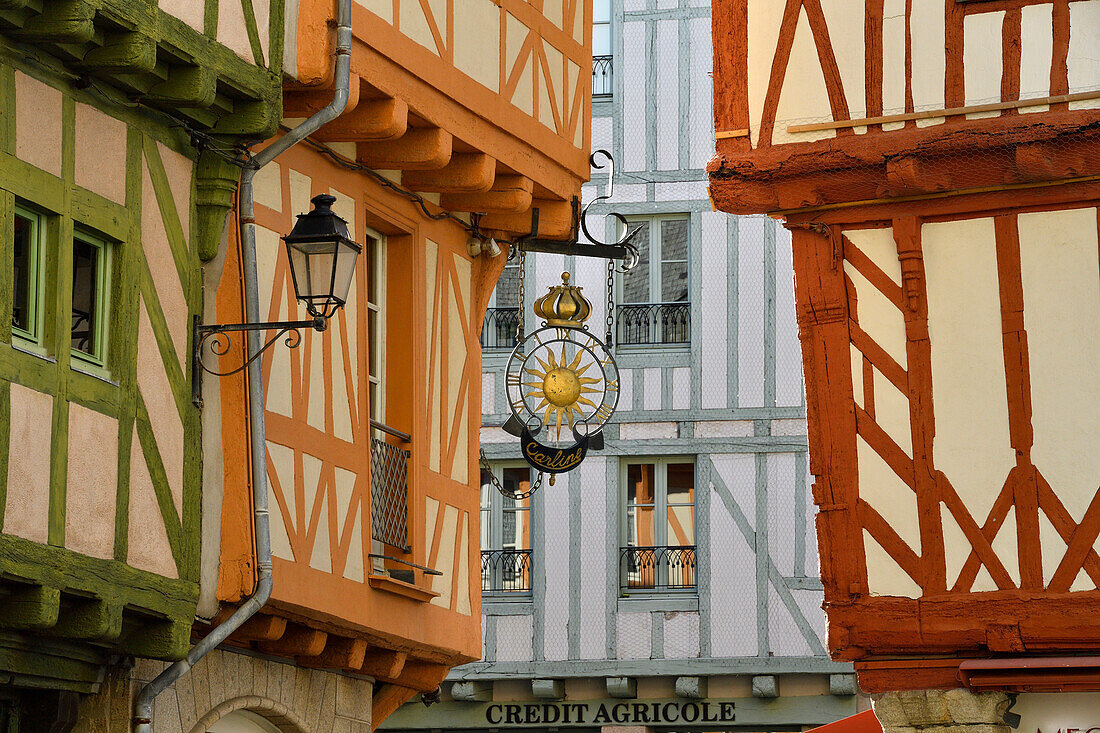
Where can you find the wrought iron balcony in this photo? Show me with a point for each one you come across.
(389, 489)
(602, 77)
(499, 331)
(506, 571)
(656, 568)
(655, 323)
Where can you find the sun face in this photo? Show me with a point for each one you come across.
(560, 386)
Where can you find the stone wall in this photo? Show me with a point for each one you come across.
(941, 711)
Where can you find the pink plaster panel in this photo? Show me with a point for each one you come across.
(27, 509)
(162, 265)
(100, 153)
(178, 169)
(160, 403)
(232, 31)
(189, 11)
(37, 123)
(148, 547)
(91, 490)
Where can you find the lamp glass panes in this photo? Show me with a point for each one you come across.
(322, 258)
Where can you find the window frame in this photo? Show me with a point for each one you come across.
(610, 55)
(660, 517)
(653, 250)
(97, 360)
(375, 284)
(495, 523)
(34, 337)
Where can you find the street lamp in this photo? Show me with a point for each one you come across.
(322, 259)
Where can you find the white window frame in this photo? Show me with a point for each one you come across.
(375, 242)
(495, 522)
(660, 515)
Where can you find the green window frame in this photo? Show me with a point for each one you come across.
(31, 331)
(89, 343)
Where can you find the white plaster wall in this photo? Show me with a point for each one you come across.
(635, 102)
(714, 288)
(594, 559)
(555, 523)
(750, 310)
(732, 562)
(634, 635)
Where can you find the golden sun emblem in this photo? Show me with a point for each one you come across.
(560, 386)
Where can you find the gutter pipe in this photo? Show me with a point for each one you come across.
(143, 707)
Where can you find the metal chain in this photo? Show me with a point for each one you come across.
(484, 462)
(610, 301)
(522, 305)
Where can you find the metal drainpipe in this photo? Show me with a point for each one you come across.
(143, 706)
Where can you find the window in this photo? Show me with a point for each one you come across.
(27, 275)
(506, 531)
(502, 316)
(376, 323)
(601, 48)
(659, 526)
(653, 296)
(90, 311)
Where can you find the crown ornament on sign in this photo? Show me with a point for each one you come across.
(563, 305)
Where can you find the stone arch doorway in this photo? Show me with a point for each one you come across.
(243, 721)
(251, 714)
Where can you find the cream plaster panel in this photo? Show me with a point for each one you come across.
(232, 31)
(301, 191)
(382, 8)
(556, 62)
(876, 315)
(515, 33)
(262, 10)
(648, 430)
(1005, 547)
(884, 576)
(30, 441)
(281, 468)
(457, 358)
(462, 602)
(340, 342)
(982, 59)
(928, 22)
(445, 559)
(278, 394)
(892, 413)
(100, 153)
(893, 58)
(956, 547)
(345, 487)
(162, 266)
(845, 21)
(857, 376)
(91, 490)
(880, 248)
(1036, 50)
(804, 97)
(1083, 63)
(267, 186)
(321, 557)
(160, 402)
(574, 73)
(579, 25)
(290, 38)
(552, 9)
(37, 123)
(189, 11)
(148, 546)
(524, 96)
(414, 24)
(765, 17)
(887, 494)
(434, 384)
(178, 169)
(1062, 317)
(968, 376)
(546, 111)
(477, 41)
(431, 510)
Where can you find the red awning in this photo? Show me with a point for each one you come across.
(864, 722)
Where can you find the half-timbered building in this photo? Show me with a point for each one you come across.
(936, 162)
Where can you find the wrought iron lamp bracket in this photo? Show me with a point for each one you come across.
(217, 335)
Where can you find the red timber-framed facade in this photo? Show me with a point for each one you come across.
(938, 163)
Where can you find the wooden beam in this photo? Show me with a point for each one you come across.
(387, 700)
(62, 21)
(92, 618)
(419, 676)
(33, 607)
(297, 641)
(340, 652)
(383, 663)
(372, 119)
(305, 102)
(167, 640)
(186, 86)
(129, 52)
(419, 149)
(555, 220)
(257, 628)
(466, 173)
(509, 194)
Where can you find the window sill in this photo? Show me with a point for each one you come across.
(91, 370)
(658, 601)
(31, 349)
(401, 588)
(496, 605)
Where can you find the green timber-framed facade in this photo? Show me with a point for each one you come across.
(112, 115)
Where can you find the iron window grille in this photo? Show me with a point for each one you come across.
(506, 571)
(389, 489)
(602, 76)
(499, 331)
(654, 323)
(656, 568)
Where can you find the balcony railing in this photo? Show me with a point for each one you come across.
(656, 568)
(655, 323)
(499, 331)
(389, 489)
(506, 571)
(602, 76)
